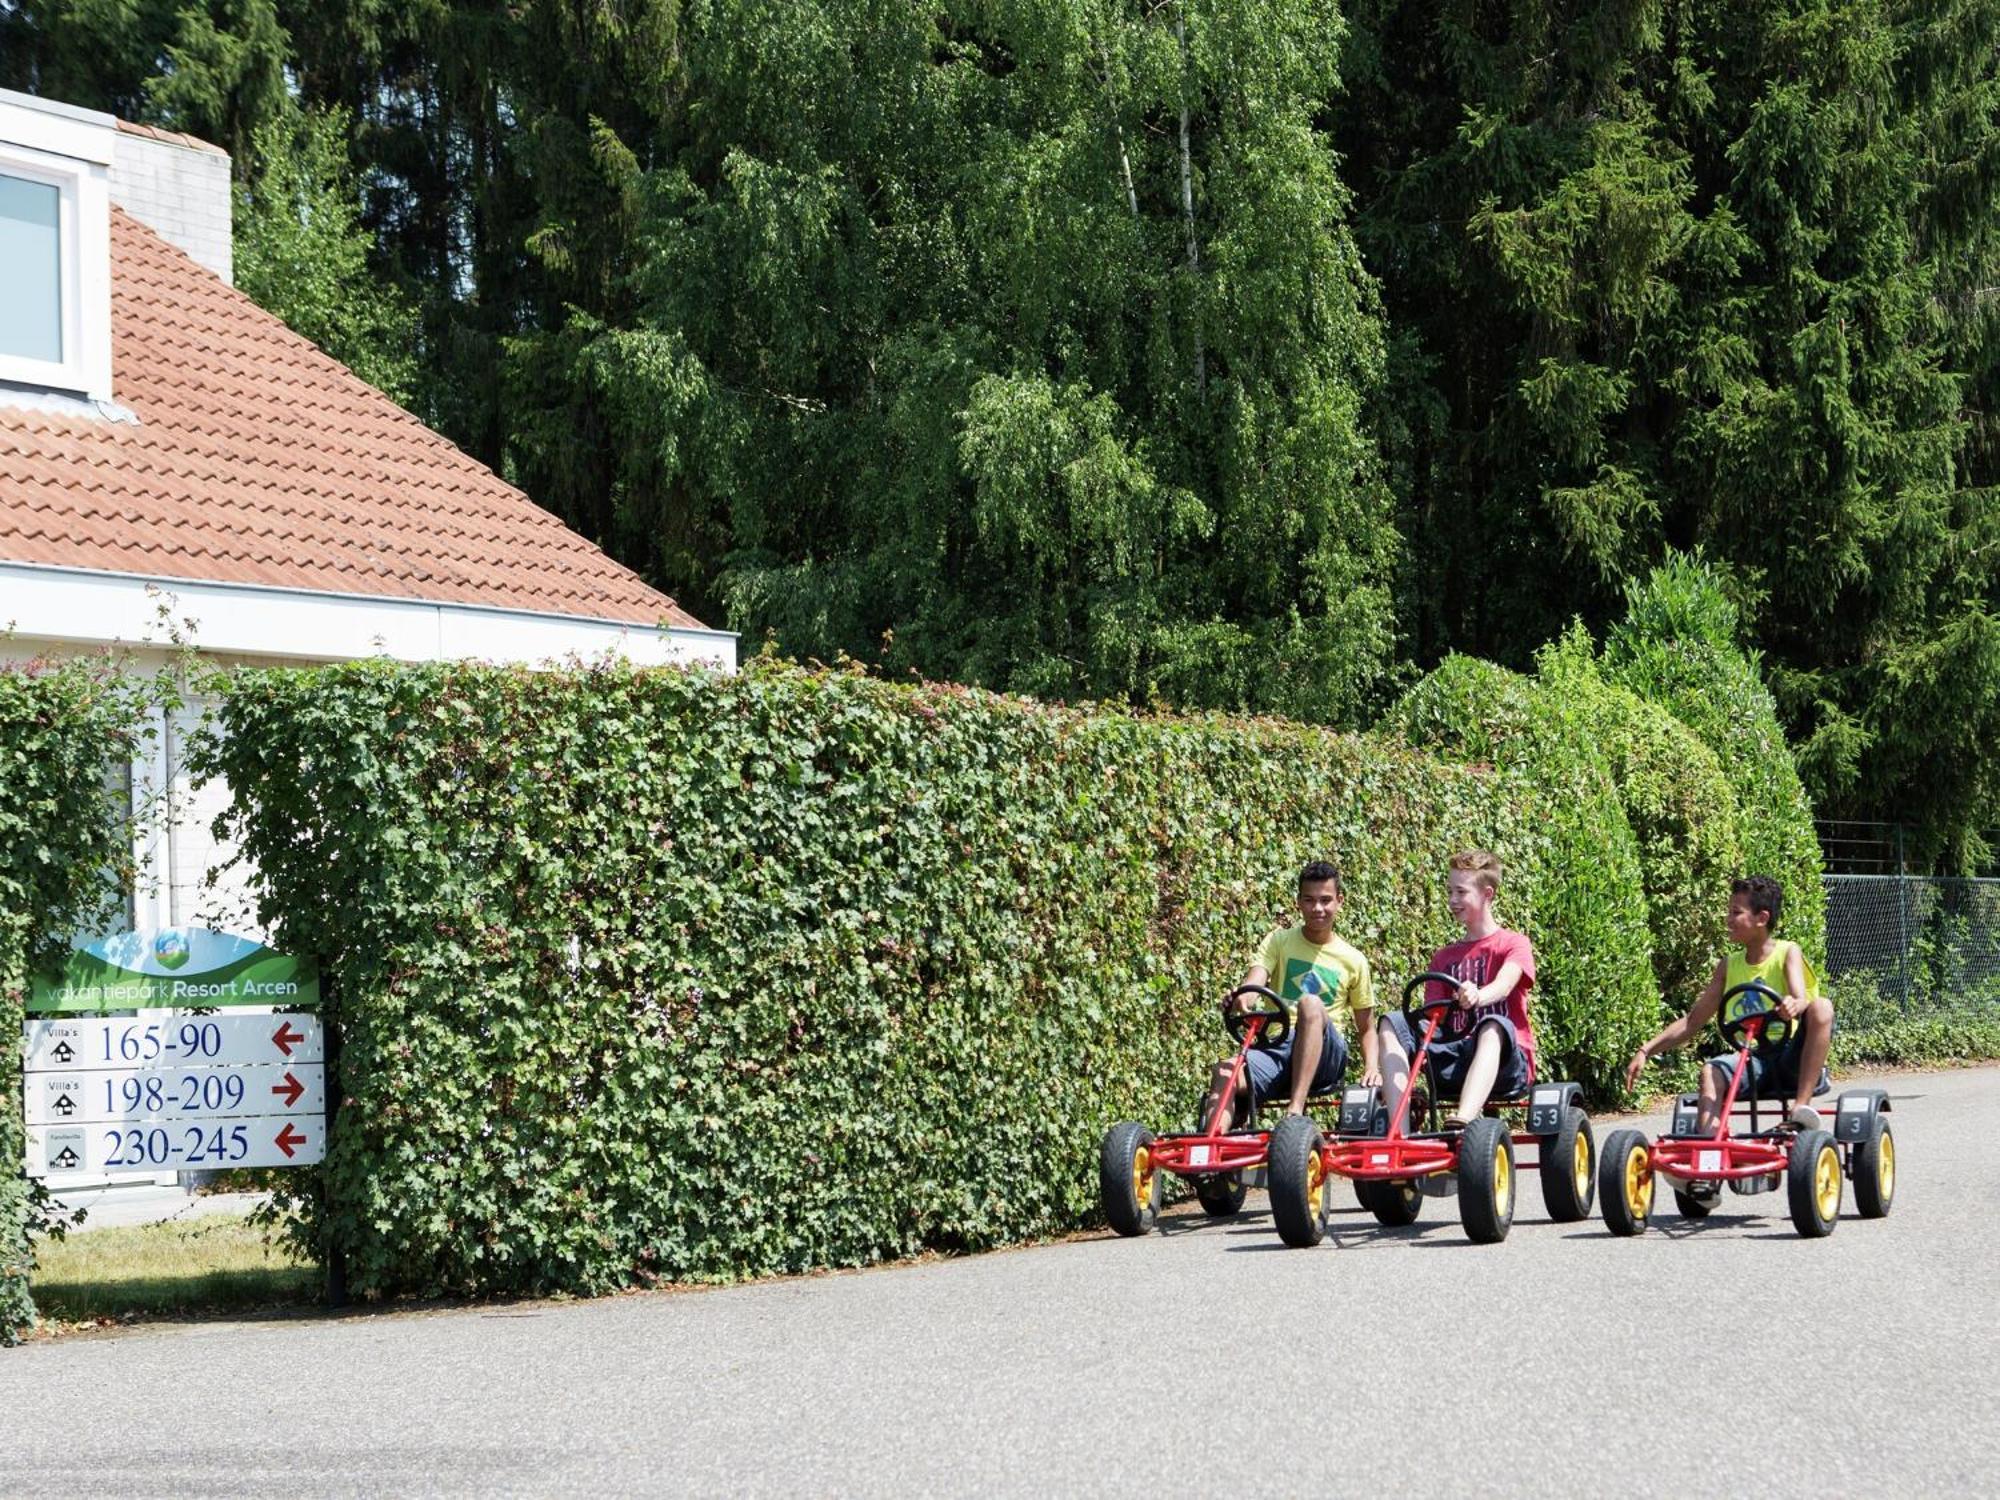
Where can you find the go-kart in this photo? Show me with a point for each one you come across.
(1810, 1164)
(1395, 1167)
(1215, 1159)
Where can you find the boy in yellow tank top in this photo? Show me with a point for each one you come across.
(1784, 1066)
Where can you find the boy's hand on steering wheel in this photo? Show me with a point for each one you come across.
(1792, 1007)
(1468, 994)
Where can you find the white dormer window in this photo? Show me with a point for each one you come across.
(55, 251)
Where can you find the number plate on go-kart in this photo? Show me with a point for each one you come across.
(1198, 1156)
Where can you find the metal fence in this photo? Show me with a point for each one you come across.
(1914, 941)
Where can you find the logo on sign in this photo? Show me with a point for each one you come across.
(65, 1150)
(170, 949)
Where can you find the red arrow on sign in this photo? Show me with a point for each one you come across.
(288, 1138)
(285, 1037)
(290, 1089)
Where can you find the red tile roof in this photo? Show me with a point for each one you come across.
(258, 459)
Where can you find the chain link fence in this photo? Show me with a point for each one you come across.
(1910, 944)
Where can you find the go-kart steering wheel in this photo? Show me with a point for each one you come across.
(1427, 977)
(1735, 1020)
(1277, 1020)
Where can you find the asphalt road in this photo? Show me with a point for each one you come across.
(1728, 1358)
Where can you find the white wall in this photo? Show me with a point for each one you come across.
(180, 192)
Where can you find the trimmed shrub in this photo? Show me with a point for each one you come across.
(1578, 893)
(59, 852)
(1677, 647)
(1678, 803)
(660, 975)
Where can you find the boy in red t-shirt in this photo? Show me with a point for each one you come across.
(1485, 1045)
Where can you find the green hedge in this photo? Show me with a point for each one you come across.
(1677, 647)
(59, 851)
(1678, 803)
(1578, 893)
(650, 974)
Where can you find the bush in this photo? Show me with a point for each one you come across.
(1678, 803)
(1677, 647)
(59, 724)
(1577, 893)
(650, 974)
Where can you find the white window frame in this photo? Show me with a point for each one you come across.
(83, 227)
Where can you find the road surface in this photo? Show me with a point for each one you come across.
(1728, 1358)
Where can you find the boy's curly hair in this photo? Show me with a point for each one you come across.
(1760, 893)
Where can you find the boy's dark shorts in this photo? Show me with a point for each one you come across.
(1270, 1068)
(1772, 1075)
(1454, 1057)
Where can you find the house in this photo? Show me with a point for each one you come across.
(178, 466)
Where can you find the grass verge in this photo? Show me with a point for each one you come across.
(204, 1265)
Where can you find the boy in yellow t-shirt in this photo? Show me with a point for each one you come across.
(1783, 1065)
(1324, 982)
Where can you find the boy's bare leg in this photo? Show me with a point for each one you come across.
(1308, 1042)
(1479, 1075)
(1394, 1063)
(1216, 1085)
(1711, 1099)
(1818, 1021)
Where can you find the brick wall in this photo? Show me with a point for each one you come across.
(179, 190)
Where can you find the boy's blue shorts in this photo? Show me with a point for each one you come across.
(1454, 1057)
(1270, 1068)
(1772, 1075)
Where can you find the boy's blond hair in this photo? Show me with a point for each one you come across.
(1484, 865)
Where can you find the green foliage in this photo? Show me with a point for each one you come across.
(655, 975)
(1678, 802)
(1706, 274)
(302, 252)
(855, 324)
(1576, 888)
(1677, 647)
(59, 724)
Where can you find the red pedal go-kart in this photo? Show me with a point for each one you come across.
(1214, 1159)
(1394, 1168)
(1809, 1163)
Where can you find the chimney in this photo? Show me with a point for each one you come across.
(178, 187)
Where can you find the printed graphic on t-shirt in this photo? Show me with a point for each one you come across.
(1471, 968)
(1302, 978)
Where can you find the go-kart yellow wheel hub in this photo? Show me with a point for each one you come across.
(1315, 1178)
(1503, 1181)
(1142, 1176)
(1826, 1182)
(1638, 1182)
(1579, 1164)
(1885, 1167)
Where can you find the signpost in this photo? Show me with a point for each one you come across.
(141, 1094)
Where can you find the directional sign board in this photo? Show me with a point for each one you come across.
(149, 1147)
(155, 1092)
(161, 1095)
(85, 1044)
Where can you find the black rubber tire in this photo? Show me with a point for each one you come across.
(1118, 1180)
(1873, 1164)
(1487, 1185)
(1692, 1207)
(1298, 1186)
(1395, 1204)
(1569, 1180)
(1626, 1154)
(1814, 1155)
(1221, 1194)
